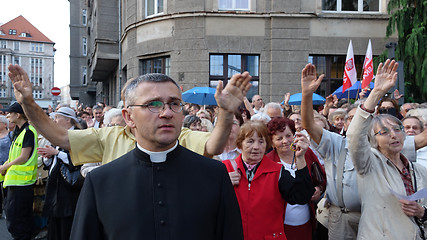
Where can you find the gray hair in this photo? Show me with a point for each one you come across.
(272, 105)
(150, 77)
(4, 119)
(110, 114)
(190, 119)
(261, 117)
(339, 112)
(380, 120)
(421, 113)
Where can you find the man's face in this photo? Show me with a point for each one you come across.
(97, 114)
(274, 113)
(12, 117)
(257, 102)
(194, 110)
(405, 108)
(298, 122)
(411, 126)
(350, 116)
(155, 131)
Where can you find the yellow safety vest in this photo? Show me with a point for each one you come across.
(23, 174)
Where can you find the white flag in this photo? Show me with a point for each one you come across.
(368, 67)
(350, 75)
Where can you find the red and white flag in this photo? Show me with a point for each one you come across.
(350, 75)
(368, 66)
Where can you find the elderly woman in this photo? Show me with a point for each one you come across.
(263, 188)
(383, 170)
(61, 194)
(192, 122)
(300, 220)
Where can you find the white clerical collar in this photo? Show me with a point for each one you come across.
(157, 157)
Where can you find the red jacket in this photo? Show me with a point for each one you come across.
(310, 157)
(261, 204)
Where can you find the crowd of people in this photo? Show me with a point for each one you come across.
(144, 168)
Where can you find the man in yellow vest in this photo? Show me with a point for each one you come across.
(19, 174)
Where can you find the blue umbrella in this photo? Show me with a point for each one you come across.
(200, 95)
(295, 99)
(354, 90)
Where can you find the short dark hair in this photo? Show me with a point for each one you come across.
(190, 119)
(279, 125)
(133, 83)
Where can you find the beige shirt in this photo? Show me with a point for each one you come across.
(106, 144)
(382, 216)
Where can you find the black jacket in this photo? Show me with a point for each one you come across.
(186, 197)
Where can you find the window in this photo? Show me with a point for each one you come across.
(224, 66)
(16, 60)
(233, 5)
(3, 69)
(2, 92)
(351, 5)
(37, 47)
(16, 45)
(37, 94)
(84, 46)
(333, 68)
(84, 17)
(3, 44)
(155, 65)
(36, 73)
(84, 75)
(12, 31)
(153, 7)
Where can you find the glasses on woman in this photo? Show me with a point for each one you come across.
(386, 131)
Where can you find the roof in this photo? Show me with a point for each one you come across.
(21, 29)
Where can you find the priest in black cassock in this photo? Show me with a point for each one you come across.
(161, 190)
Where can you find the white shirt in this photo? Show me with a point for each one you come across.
(296, 214)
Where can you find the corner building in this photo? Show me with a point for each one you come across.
(198, 42)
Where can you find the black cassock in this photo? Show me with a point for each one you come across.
(186, 197)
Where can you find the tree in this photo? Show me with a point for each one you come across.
(409, 19)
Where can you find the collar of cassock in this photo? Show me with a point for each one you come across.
(157, 157)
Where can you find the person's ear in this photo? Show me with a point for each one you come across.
(127, 116)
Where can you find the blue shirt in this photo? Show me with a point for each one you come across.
(4, 148)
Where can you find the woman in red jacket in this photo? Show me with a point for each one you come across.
(300, 220)
(262, 188)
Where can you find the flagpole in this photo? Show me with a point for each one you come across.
(361, 81)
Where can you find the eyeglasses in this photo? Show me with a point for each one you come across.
(158, 106)
(385, 131)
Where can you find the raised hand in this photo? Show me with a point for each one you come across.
(330, 101)
(287, 97)
(397, 94)
(386, 76)
(21, 84)
(232, 95)
(309, 80)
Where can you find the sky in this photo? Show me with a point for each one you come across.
(52, 18)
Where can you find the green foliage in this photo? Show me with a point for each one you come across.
(409, 19)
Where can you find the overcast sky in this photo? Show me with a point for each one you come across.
(52, 18)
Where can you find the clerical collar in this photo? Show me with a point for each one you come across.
(157, 157)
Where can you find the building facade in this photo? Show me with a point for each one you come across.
(22, 43)
(200, 42)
